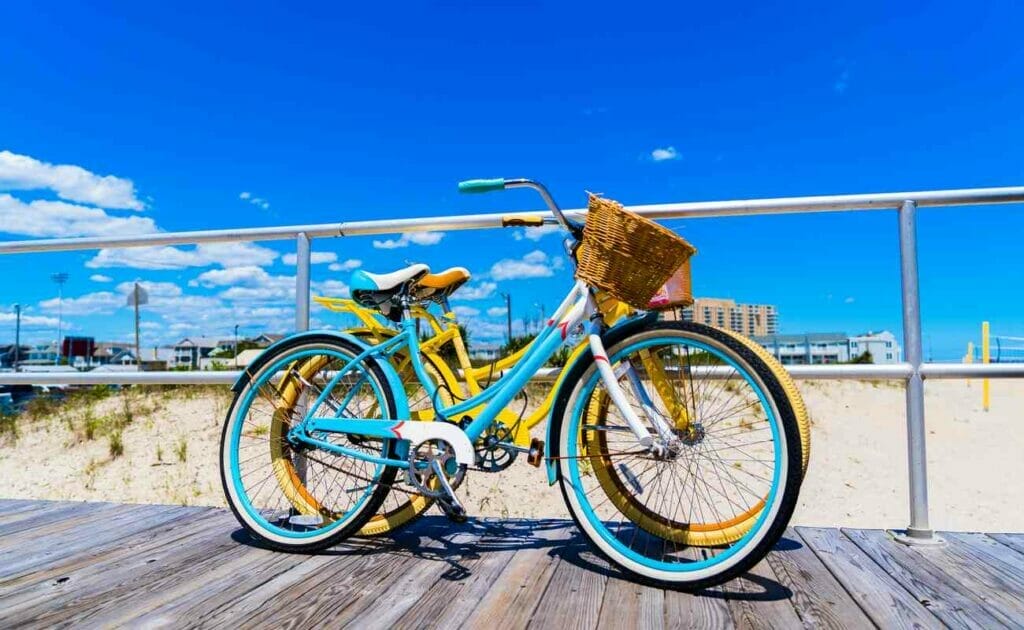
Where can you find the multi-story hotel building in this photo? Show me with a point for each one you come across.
(747, 319)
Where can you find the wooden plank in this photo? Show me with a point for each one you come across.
(1013, 541)
(999, 585)
(377, 571)
(12, 506)
(450, 602)
(184, 604)
(930, 584)
(632, 605)
(884, 600)
(132, 580)
(519, 587)
(36, 595)
(702, 609)
(1002, 556)
(114, 532)
(386, 607)
(757, 600)
(818, 598)
(44, 516)
(61, 520)
(576, 591)
(103, 558)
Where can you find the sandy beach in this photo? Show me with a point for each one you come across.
(857, 475)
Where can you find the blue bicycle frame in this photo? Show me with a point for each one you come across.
(578, 305)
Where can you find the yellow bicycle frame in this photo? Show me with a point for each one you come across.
(446, 330)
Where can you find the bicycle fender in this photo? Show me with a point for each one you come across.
(574, 372)
(394, 382)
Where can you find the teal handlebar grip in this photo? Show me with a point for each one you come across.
(481, 185)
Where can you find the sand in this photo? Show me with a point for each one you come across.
(857, 475)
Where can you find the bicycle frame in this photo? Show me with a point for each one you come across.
(578, 305)
(472, 382)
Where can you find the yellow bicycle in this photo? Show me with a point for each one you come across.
(512, 433)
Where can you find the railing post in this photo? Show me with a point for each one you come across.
(302, 282)
(918, 532)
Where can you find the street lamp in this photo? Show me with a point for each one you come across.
(60, 278)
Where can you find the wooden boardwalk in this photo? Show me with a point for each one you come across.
(103, 564)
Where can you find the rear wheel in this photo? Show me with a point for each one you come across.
(291, 496)
(720, 499)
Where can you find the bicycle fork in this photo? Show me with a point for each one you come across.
(610, 378)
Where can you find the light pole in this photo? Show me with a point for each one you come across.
(508, 315)
(60, 278)
(236, 346)
(17, 335)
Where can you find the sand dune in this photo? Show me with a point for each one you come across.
(857, 476)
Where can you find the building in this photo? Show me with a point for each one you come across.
(808, 349)
(112, 353)
(823, 348)
(190, 351)
(747, 319)
(882, 346)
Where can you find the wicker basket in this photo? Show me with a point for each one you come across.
(631, 258)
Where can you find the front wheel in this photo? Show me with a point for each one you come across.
(734, 461)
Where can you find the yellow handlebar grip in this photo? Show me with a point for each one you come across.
(528, 221)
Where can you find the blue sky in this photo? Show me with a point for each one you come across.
(338, 113)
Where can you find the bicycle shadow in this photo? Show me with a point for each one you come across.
(434, 538)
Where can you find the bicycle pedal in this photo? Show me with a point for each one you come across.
(454, 511)
(536, 455)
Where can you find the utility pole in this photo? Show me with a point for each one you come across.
(60, 278)
(17, 335)
(138, 348)
(508, 314)
(236, 346)
(137, 298)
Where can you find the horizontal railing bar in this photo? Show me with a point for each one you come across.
(972, 370)
(696, 209)
(897, 371)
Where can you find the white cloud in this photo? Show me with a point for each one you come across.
(477, 292)
(496, 311)
(42, 217)
(315, 258)
(99, 303)
(99, 277)
(256, 201)
(849, 300)
(483, 330)
(73, 183)
(250, 276)
(663, 154)
(348, 265)
(167, 257)
(407, 238)
(331, 288)
(466, 311)
(537, 233)
(533, 265)
(8, 320)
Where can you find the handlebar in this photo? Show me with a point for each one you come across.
(487, 185)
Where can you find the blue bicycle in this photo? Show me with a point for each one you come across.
(675, 446)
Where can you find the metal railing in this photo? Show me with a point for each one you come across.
(906, 204)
